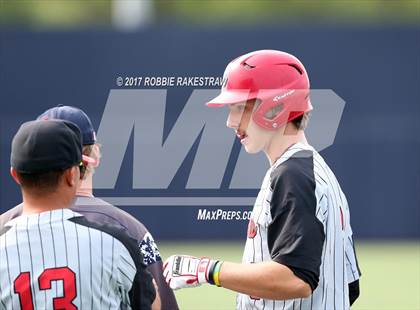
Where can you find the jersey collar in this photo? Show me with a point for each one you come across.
(294, 148)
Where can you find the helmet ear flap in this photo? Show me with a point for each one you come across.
(274, 111)
(270, 114)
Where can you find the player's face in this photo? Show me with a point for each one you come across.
(257, 138)
(252, 137)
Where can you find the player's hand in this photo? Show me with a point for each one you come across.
(181, 271)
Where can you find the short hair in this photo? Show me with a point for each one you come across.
(301, 122)
(44, 182)
(94, 152)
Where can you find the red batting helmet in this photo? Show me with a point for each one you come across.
(276, 79)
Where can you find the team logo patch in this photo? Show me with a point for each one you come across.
(149, 250)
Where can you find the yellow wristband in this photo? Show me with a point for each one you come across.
(216, 273)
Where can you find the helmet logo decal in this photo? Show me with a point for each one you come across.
(279, 97)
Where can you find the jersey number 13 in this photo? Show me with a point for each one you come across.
(22, 285)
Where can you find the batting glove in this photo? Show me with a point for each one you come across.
(182, 271)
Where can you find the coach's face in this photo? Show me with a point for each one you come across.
(252, 137)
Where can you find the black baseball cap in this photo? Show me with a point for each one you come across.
(42, 146)
(74, 115)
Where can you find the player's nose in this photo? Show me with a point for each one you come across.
(232, 121)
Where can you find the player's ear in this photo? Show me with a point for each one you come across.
(71, 175)
(98, 155)
(14, 175)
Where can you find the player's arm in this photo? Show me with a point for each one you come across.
(157, 303)
(295, 240)
(269, 280)
(152, 259)
(136, 284)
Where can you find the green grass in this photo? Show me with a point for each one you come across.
(390, 280)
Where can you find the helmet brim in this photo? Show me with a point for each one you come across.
(230, 97)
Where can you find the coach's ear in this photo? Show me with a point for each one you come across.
(14, 175)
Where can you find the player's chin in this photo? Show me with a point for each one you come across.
(252, 149)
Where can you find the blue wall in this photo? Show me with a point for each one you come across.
(376, 154)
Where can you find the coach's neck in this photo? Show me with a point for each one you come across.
(46, 202)
(33, 205)
(47, 197)
(86, 186)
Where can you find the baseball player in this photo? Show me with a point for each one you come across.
(299, 251)
(97, 210)
(52, 257)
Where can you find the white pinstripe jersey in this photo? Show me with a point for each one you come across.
(312, 234)
(99, 211)
(56, 260)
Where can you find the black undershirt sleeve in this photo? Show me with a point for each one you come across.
(354, 291)
(295, 235)
(308, 276)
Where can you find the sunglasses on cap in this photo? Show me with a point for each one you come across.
(86, 160)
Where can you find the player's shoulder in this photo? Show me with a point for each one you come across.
(10, 215)
(97, 210)
(120, 243)
(297, 168)
(115, 231)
